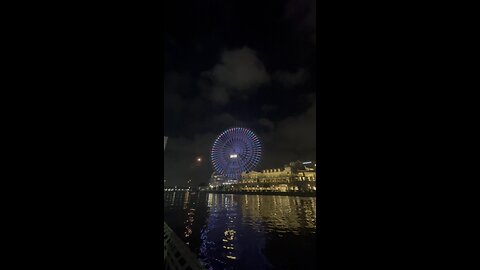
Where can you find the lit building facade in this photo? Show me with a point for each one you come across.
(217, 180)
(295, 176)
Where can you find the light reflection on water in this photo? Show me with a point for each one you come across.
(245, 231)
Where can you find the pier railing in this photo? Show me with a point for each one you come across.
(177, 255)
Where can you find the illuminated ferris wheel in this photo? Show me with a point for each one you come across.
(234, 151)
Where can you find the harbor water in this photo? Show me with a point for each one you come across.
(233, 231)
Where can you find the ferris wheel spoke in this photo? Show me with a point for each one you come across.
(234, 151)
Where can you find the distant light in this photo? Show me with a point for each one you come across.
(199, 159)
(233, 156)
(308, 162)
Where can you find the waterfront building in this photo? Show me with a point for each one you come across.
(295, 176)
(218, 180)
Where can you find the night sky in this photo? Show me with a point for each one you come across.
(238, 63)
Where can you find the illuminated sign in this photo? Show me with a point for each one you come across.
(233, 156)
(309, 162)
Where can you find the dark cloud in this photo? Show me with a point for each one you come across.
(268, 108)
(218, 122)
(220, 95)
(266, 123)
(224, 119)
(299, 131)
(303, 14)
(290, 79)
(239, 73)
(178, 83)
(293, 138)
(174, 103)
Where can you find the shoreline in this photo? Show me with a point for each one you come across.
(299, 194)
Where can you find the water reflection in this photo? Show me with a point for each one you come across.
(245, 231)
(280, 213)
(189, 223)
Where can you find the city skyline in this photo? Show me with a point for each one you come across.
(248, 64)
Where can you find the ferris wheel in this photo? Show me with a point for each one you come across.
(235, 151)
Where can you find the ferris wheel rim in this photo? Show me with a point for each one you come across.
(245, 146)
